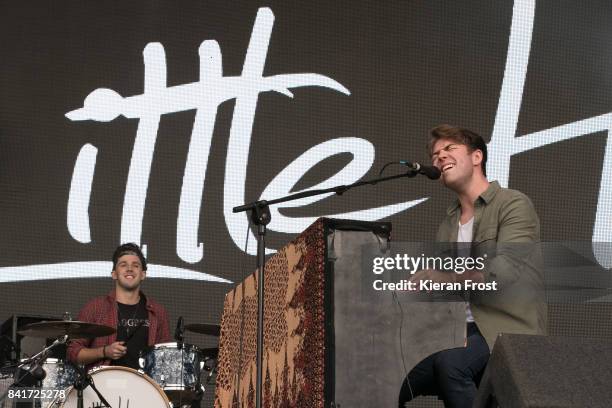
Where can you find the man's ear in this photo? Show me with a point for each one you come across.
(114, 275)
(476, 157)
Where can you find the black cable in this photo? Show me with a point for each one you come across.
(402, 345)
(385, 166)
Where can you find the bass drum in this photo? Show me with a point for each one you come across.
(122, 387)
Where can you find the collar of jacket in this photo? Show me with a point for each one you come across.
(486, 197)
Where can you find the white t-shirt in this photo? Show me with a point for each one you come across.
(465, 235)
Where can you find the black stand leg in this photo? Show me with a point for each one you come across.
(83, 381)
(260, 216)
(79, 397)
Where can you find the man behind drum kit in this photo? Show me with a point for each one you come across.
(140, 321)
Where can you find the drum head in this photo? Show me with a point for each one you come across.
(122, 387)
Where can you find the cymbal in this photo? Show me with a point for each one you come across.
(211, 352)
(204, 328)
(73, 328)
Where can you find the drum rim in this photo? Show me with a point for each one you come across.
(174, 345)
(94, 370)
(54, 360)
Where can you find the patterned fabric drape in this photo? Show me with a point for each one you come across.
(294, 335)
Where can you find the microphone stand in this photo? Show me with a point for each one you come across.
(83, 381)
(179, 333)
(260, 216)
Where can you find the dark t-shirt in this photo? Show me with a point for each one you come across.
(133, 329)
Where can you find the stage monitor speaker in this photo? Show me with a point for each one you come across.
(527, 371)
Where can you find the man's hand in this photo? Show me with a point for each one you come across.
(116, 350)
(91, 355)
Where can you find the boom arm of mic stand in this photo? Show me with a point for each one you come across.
(339, 190)
(44, 352)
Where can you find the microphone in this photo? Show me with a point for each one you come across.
(431, 172)
(179, 332)
(38, 372)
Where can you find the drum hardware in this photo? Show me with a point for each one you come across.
(210, 353)
(179, 333)
(211, 371)
(178, 376)
(54, 374)
(83, 381)
(32, 369)
(209, 363)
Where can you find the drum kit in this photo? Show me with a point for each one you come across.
(172, 375)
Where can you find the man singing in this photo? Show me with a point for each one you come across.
(483, 217)
(140, 321)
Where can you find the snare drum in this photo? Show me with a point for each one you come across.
(122, 387)
(176, 370)
(60, 374)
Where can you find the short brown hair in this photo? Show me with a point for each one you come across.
(129, 249)
(460, 135)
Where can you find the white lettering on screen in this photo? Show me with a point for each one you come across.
(213, 88)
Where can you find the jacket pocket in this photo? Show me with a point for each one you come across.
(483, 235)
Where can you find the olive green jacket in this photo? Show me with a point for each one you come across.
(507, 235)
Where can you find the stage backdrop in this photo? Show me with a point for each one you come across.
(147, 121)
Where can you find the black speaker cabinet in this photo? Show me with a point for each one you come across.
(543, 371)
